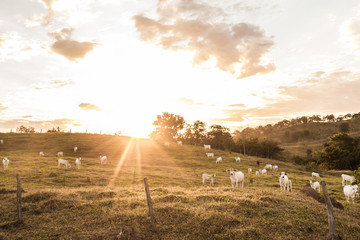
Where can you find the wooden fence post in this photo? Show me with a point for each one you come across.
(330, 209)
(151, 212)
(18, 197)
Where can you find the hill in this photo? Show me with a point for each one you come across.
(96, 201)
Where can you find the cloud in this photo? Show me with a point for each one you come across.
(42, 19)
(188, 25)
(89, 107)
(350, 33)
(54, 84)
(189, 101)
(2, 107)
(71, 49)
(63, 123)
(322, 94)
(240, 105)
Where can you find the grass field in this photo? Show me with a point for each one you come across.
(96, 201)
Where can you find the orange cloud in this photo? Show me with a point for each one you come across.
(54, 84)
(69, 48)
(2, 107)
(63, 123)
(187, 25)
(89, 107)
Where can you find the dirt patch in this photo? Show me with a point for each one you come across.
(308, 191)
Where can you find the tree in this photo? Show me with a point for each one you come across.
(23, 129)
(344, 127)
(195, 133)
(168, 126)
(341, 152)
(220, 137)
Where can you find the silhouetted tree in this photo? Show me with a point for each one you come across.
(23, 129)
(168, 127)
(220, 137)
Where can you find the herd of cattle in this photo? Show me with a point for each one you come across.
(236, 177)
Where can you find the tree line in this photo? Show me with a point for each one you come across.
(171, 127)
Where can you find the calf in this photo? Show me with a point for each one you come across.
(257, 173)
(210, 155)
(219, 160)
(75, 149)
(275, 167)
(249, 170)
(103, 159)
(347, 178)
(1, 141)
(60, 154)
(42, 154)
(78, 162)
(263, 171)
(285, 183)
(210, 177)
(236, 177)
(315, 185)
(314, 174)
(207, 147)
(268, 167)
(237, 159)
(350, 192)
(6, 163)
(65, 162)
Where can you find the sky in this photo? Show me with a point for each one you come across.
(109, 65)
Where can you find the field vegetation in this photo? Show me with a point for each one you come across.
(97, 201)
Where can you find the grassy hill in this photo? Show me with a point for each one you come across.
(96, 201)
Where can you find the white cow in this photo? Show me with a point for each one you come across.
(347, 178)
(285, 183)
(257, 173)
(237, 159)
(78, 162)
(249, 170)
(263, 171)
(350, 192)
(268, 167)
(210, 155)
(315, 185)
(167, 144)
(65, 162)
(314, 174)
(42, 154)
(210, 177)
(103, 159)
(6, 162)
(207, 147)
(60, 154)
(236, 177)
(1, 141)
(219, 160)
(75, 149)
(275, 167)
(179, 143)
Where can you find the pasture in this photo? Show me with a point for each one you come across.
(96, 201)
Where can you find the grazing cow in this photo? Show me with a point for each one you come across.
(103, 159)
(42, 154)
(285, 183)
(275, 167)
(75, 149)
(237, 159)
(315, 185)
(6, 163)
(347, 178)
(210, 155)
(236, 177)
(179, 143)
(218, 160)
(1, 141)
(350, 192)
(78, 162)
(249, 170)
(268, 167)
(263, 171)
(257, 173)
(207, 147)
(65, 162)
(167, 144)
(60, 154)
(210, 177)
(314, 174)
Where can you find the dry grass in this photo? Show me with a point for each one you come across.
(80, 204)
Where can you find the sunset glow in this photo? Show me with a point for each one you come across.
(110, 66)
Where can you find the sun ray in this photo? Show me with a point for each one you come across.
(120, 163)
